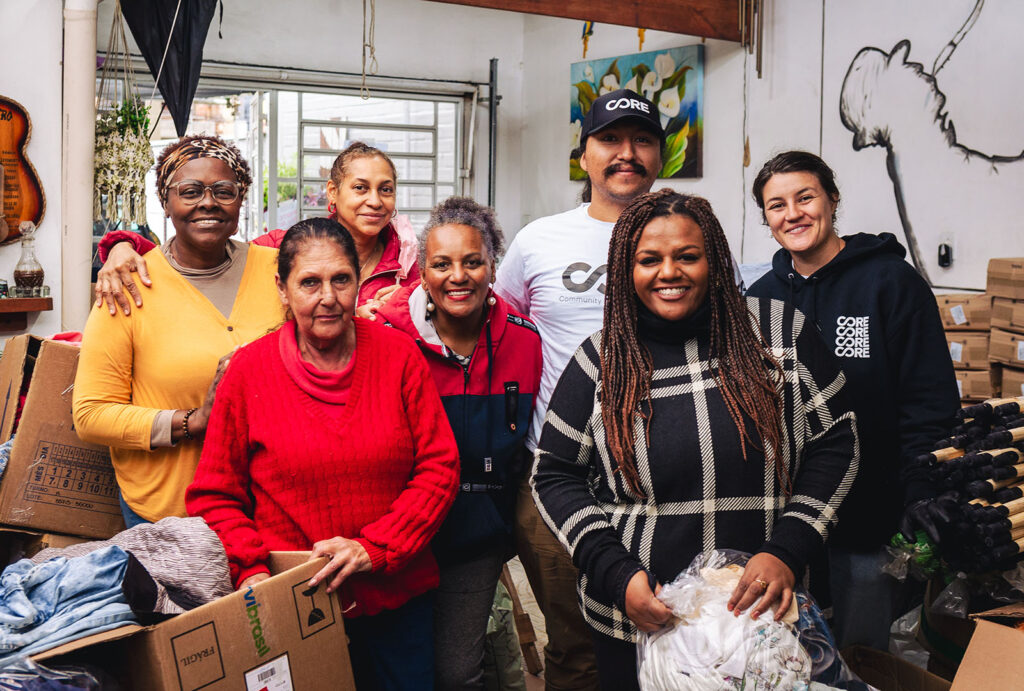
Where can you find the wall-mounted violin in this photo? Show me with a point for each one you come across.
(22, 194)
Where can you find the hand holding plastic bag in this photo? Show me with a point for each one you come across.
(706, 647)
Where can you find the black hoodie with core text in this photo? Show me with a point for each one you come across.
(880, 319)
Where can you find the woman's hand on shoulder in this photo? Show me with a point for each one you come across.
(253, 580)
(766, 577)
(386, 293)
(643, 606)
(200, 419)
(115, 278)
(368, 310)
(347, 557)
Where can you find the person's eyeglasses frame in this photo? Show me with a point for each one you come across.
(206, 188)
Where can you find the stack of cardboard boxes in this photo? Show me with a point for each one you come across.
(965, 317)
(1006, 286)
(57, 490)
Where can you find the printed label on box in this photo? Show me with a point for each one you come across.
(197, 656)
(72, 477)
(956, 351)
(275, 675)
(957, 312)
(314, 608)
(1020, 350)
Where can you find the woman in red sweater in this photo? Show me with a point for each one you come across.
(328, 434)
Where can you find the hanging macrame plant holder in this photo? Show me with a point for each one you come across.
(123, 153)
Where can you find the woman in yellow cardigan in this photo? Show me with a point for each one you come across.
(145, 383)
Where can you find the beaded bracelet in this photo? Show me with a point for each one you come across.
(184, 423)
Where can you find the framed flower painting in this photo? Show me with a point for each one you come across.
(672, 79)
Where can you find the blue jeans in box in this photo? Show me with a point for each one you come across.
(45, 605)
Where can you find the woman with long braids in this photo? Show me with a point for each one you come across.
(695, 420)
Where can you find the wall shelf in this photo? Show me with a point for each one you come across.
(14, 311)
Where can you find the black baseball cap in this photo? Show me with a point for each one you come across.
(618, 105)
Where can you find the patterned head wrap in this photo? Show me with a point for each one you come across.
(200, 146)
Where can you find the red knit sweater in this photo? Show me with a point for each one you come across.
(277, 474)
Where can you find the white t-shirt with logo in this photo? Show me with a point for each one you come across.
(554, 273)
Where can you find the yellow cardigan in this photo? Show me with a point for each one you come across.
(162, 357)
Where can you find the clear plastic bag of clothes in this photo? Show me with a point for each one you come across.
(955, 598)
(26, 675)
(707, 648)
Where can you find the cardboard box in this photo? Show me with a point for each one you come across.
(1006, 278)
(278, 634)
(1008, 314)
(886, 672)
(992, 660)
(54, 481)
(1012, 382)
(18, 544)
(1006, 347)
(965, 311)
(968, 349)
(977, 384)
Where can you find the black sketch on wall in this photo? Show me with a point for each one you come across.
(941, 186)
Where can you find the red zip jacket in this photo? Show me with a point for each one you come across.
(489, 405)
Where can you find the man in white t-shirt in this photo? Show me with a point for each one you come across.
(554, 272)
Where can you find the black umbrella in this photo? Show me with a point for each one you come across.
(150, 22)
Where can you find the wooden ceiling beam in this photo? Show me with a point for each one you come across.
(707, 18)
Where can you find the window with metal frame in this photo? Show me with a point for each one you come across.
(291, 137)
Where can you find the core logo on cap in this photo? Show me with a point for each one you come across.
(628, 104)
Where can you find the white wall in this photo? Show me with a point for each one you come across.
(413, 39)
(30, 73)
(950, 194)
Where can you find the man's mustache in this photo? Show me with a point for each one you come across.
(626, 167)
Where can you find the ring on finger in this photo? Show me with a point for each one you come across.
(761, 582)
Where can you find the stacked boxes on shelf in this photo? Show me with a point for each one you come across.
(965, 317)
(1006, 342)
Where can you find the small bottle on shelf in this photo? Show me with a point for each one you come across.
(28, 272)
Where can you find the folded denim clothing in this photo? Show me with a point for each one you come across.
(183, 556)
(45, 605)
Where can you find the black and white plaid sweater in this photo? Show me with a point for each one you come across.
(701, 494)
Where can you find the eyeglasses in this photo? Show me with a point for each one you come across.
(192, 192)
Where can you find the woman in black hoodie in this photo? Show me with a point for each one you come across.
(879, 318)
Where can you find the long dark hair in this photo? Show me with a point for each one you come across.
(746, 372)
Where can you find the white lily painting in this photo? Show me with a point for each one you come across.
(672, 79)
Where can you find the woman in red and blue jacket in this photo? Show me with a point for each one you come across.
(486, 362)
